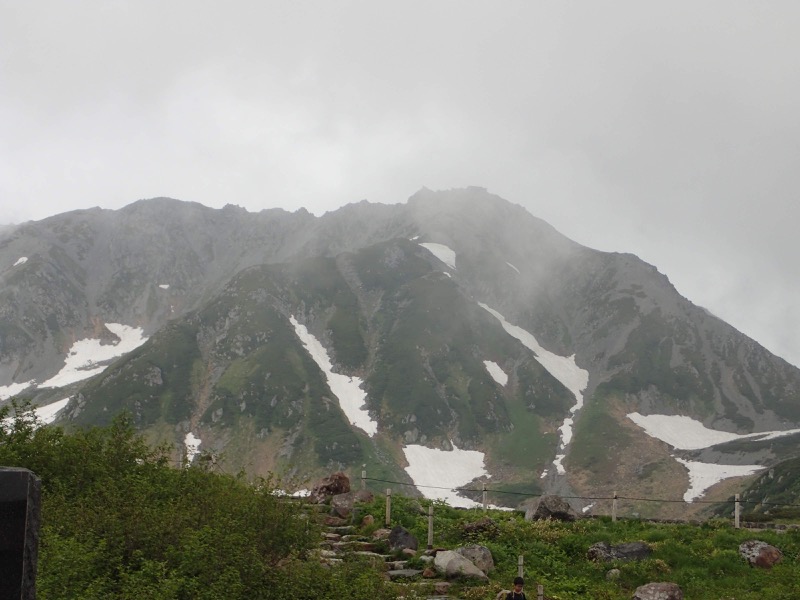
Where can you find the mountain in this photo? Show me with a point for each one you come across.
(456, 322)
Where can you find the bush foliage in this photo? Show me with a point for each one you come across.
(120, 522)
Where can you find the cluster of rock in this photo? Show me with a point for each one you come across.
(474, 561)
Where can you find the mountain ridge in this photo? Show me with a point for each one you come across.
(389, 311)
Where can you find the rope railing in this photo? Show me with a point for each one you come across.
(590, 498)
(484, 490)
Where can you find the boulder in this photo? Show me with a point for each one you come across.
(441, 588)
(485, 527)
(401, 538)
(658, 591)
(332, 485)
(480, 556)
(451, 564)
(605, 552)
(760, 554)
(551, 507)
(342, 504)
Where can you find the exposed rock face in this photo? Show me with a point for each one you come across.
(333, 485)
(551, 507)
(401, 538)
(452, 564)
(480, 556)
(760, 554)
(658, 591)
(603, 551)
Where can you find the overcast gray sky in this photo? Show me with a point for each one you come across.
(667, 129)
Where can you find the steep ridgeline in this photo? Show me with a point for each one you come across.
(454, 323)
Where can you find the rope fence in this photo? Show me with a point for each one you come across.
(484, 490)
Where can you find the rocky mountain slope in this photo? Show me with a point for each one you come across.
(444, 310)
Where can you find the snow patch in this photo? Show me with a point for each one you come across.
(9, 391)
(685, 433)
(442, 252)
(703, 475)
(562, 368)
(513, 267)
(496, 372)
(352, 399)
(48, 413)
(21, 261)
(85, 356)
(192, 444)
(444, 469)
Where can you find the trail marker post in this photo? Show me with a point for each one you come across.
(20, 502)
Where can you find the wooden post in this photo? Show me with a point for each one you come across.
(363, 479)
(614, 508)
(520, 564)
(736, 523)
(485, 504)
(388, 506)
(540, 592)
(430, 527)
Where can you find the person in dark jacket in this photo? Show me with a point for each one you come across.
(517, 593)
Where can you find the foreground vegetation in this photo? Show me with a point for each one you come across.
(120, 522)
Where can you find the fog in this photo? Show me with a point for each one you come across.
(669, 131)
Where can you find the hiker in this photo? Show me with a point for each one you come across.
(517, 593)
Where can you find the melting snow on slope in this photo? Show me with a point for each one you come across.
(562, 368)
(442, 252)
(48, 413)
(443, 469)
(85, 356)
(703, 475)
(686, 433)
(348, 390)
(45, 414)
(496, 372)
(8, 391)
(192, 444)
(21, 261)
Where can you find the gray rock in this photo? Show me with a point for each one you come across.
(603, 551)
(401, 538)
(480, 556)
(451, 564)
(760, 554)
(404, 574)
(551, 507)
(658, 591)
